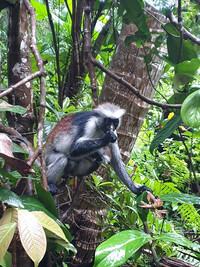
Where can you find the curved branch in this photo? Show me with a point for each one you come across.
(132, 88)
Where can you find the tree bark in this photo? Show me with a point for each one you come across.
(129, 64)
(19, 66)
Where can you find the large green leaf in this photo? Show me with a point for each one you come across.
(173, 47)
(46, 199)
(165, 132)
(6, 234)
(40, 9)
(164, 6)
(119, 248)
(141, 211)
(178, 239)
(180, 198)
(190, 110)
(33, 204)
(136, 15)
(10, 198)
(188, 67)
(4, 106)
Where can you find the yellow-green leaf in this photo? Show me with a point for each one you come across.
(49, 224)
(9, 216)
(32, 236)
(6, 235)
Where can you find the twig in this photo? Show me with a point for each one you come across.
(190, 163)
(154, 254)
(87, 52)
(60, 91)
(40, 65)
(132, 88)
(23, 81)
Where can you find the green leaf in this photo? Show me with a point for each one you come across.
(40, 10)
(141, 211)
(136, 15)
(7, 260)
(178, 239)
(173, 47)
(165, 132)
(46, 199)
(180, 198)
(190, 110)
(188, 67)
(33, 204)
(119, 248)
(6, 235)
(4, 106)
(10, 198)
(164, 6)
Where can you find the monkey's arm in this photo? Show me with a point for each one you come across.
(120, 169)
(82, 148)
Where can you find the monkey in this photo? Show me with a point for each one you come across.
(81, 141)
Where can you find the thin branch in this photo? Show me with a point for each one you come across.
(132, 88)
(191, 165)
(87, 52)
(60, 90)
(23, 81)
(186, 34)
(40, 129)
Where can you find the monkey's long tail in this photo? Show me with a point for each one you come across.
(120, 169)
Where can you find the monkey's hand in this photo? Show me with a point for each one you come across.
(110, 137)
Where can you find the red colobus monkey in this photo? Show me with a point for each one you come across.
(80, 142)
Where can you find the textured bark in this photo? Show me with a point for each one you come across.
(129, 64)
(83, 209)
(19, 66)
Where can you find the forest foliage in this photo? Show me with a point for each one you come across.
(165, 157)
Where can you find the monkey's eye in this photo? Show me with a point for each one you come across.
(115, 123)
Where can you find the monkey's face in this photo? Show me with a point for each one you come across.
(110, 124)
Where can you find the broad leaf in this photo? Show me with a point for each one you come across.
(165, 132)
(119, 248)
(7, 260)
(32, 236)
(40, 9)
(141, 211)
(46, 199)
(9, 216)
(33, 204)
(164, 6)
(6, 235)
(49, 224)
(180, 198)
(4, 106)
(178, 239)
(10, 198)
(173, 46)
(190, 110)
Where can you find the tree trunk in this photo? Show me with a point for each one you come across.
(19, 66)
(129, 64)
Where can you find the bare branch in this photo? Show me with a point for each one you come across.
(132, 88)
(60, 90)
(40, 65)
(23, 81)
(186, 34)
(87, 51)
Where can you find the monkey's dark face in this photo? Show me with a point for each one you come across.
(110, 124)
